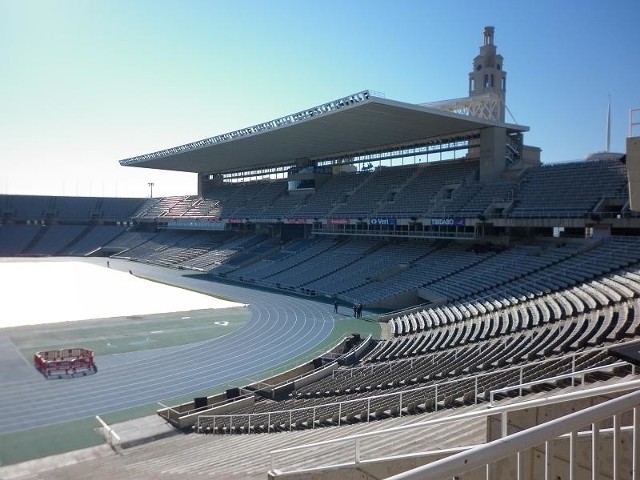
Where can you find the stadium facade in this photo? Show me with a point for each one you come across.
(361, 171)
(507, 272)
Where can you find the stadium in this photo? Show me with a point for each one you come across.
(410, 293)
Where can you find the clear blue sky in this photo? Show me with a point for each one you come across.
(86, 83)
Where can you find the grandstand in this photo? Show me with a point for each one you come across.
(504, 288)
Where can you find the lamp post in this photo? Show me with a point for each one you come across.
(151, 187)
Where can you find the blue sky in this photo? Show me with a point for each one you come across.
(86, 83)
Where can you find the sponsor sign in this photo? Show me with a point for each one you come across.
(337, 221)
(196, 224)
(382, 221)
(296, 220)
(448, 222)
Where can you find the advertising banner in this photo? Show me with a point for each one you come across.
(196, 224)
(382, 221)
(448, 222)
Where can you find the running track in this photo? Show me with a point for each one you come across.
(280, 328)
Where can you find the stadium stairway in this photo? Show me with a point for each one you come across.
(228, 456)
(247, 456)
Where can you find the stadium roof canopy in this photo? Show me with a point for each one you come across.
(353, 125)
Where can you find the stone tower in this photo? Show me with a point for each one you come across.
(488, 77)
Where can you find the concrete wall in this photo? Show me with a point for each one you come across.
(531, 156)
(187, 421)
(430, 296)
(399, 301)
(314, 376)
(174, 413)
(633, 169)
(370, 470)
(493, 143)
(353, 356)
(283, 377)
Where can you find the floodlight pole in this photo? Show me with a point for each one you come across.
(151, 187)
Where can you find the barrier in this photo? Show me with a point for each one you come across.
(66, 362)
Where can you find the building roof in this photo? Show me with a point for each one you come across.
(355, 124)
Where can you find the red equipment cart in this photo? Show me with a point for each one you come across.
(65, 363)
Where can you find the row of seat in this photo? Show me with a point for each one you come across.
(553, 306)
(375, 404)
(55, 239)
(417, 359)
(60, 208)
(465, 348)
(446, 188)
(455, 355)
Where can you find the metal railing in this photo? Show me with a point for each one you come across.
(283, 368)
(424, 234)
(518, 443)
(487, 453)
(113, 439)
(392, 401)
(580, 375)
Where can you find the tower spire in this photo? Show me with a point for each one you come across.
(608, 134)
(488, 76)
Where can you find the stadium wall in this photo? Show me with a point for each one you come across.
(633, 169)
(492, 153)
(399, 301)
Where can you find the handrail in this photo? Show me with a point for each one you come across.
(292, 365)
(509, 445)
(540, 381)
(167, 407)
(389, 364)
(427, 234)
(503, 409)
(111, 434)
(369, 399)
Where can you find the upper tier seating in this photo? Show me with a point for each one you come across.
(94, 238)
(437, 189)
(166, 207)
(30, 207)
(366, 198)
(569, 189)
(431, 184)
(485, 195)
(330, 194)
(53, 239)
(14, 239)
(130, 239)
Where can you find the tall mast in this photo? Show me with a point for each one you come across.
(608, 134)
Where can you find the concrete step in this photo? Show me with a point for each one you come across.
(247, 456)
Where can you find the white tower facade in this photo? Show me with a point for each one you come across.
(488, 77)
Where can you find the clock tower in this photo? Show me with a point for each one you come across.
(488, 77)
